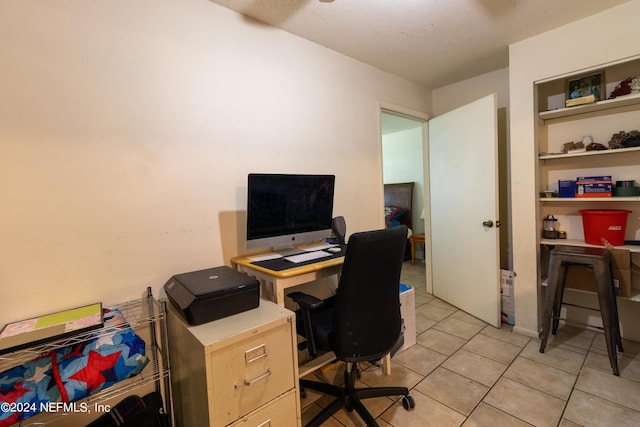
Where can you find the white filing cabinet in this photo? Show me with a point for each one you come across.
(240, 370)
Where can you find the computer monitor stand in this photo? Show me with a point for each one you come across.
(286, 250)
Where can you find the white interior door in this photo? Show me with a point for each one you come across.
(463, 175)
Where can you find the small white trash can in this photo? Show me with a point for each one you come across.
(408, 313)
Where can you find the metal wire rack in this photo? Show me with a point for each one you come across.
(146, 316)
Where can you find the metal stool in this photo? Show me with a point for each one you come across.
(599, 260)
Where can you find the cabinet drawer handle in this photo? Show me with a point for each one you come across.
(255, 380)
(266, 423)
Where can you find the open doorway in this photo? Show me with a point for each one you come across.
(403, 162)
(402, 136)
(496, 123)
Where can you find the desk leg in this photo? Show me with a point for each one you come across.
(267, 287)
(266, 291)
(272, 290)
(279, 293)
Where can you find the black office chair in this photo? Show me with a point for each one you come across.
(361, 322)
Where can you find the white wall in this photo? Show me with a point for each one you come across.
(450, 97)
(127, 130)
(403, 162)
(602, 38)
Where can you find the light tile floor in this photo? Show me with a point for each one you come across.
(463, 372)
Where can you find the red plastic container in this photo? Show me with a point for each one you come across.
(604, 225)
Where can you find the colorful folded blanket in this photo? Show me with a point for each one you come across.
(71, 373)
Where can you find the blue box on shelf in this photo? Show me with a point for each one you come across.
(566, 188)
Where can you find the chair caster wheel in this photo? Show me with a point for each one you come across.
(408, 403)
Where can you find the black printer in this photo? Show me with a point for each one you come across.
(206, 295)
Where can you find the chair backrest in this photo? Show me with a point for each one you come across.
(367, 322)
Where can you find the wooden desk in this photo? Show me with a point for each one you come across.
(273, 283)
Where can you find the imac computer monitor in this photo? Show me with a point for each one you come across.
(284, 210)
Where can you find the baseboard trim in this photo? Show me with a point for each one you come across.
(527, 332)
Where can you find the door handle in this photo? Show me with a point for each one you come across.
(487, 224)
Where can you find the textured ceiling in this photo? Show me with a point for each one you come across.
(431, 42)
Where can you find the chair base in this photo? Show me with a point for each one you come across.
(349, 397)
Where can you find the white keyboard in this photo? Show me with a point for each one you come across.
(307, 256)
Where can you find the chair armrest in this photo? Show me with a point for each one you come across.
(305, 300)
(307, 303)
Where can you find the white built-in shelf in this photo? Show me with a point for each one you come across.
(588, 199)
(635, 293)
(578, 242)
(588, 153)
(607, 104)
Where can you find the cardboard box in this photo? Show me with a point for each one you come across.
(594, 186)
(582, 277)
(595, 178)
(594, 189)
(566, 188)
(506, 296)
